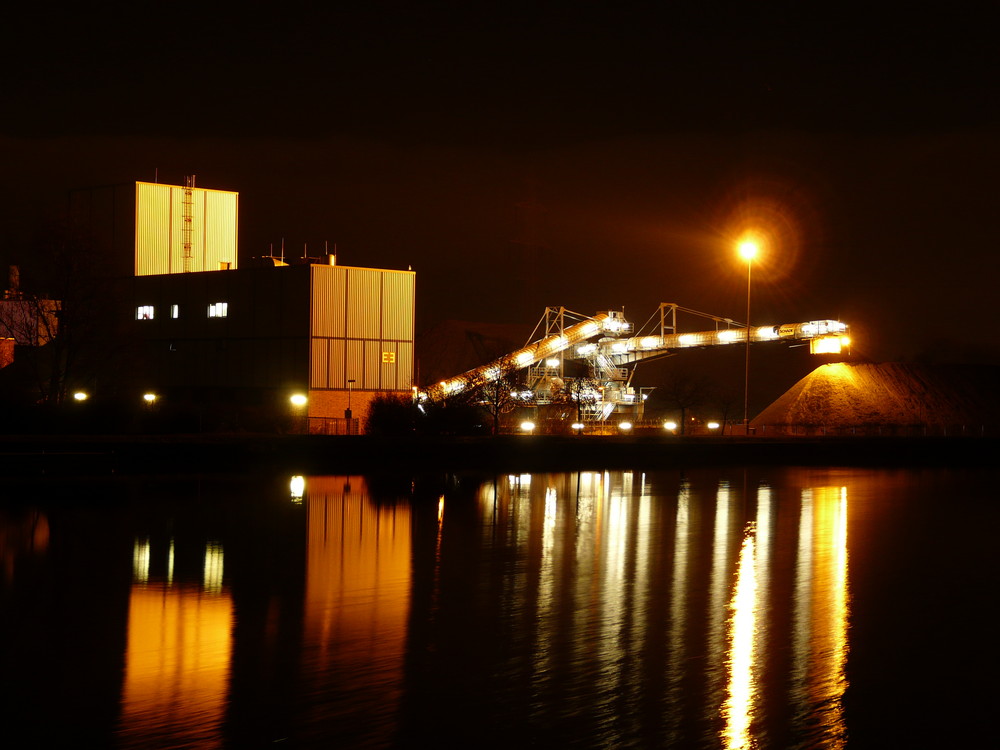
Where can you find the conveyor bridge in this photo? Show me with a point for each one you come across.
(606, 347)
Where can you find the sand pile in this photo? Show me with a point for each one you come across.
(847, 395)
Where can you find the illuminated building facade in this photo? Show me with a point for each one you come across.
(254, 337)
(209, 335)
(153, 228)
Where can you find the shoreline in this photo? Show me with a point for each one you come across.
(102, 455)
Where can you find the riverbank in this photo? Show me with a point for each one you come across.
(318, 454)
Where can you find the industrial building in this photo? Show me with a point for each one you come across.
(150, 228)
(254, 338)
(307, 346)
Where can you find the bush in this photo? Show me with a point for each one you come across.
(390, 414)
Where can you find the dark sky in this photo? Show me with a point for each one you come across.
(626, 144)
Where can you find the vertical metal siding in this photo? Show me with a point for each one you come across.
(159, 233)
(363, 304)
(355, 362)
(338, 376)
(339, 301)
(175, 251)
(373, 365)
(323, 301)
(404, 366)
(320, 374)
(220, 229)
(152, 229)
(197, 262)
(397, 305)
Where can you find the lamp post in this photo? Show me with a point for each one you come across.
(347, 412)
(748, 251)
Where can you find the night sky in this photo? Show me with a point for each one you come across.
(519, 155)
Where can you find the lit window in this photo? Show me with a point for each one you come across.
(175, 311)
(144, 312)
(218, 310)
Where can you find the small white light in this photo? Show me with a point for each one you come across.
(669, 425)
(712, 425)
(149, 397)
(80, 396)
(298, 399)
(297, 486)
(577, 426)
(624, 426)
(552, 362)
(527, 426)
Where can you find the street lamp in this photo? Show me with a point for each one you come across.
(347, 412)
(748, 250)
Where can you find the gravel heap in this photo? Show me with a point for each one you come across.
(891, 393)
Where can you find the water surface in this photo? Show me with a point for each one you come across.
(716, 609)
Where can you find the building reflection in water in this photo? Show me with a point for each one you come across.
(358, 585)
(621, 607)
(177, 659)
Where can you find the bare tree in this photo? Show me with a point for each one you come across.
(682, 393)
(72, 314)
(726, 400)
(498, 390)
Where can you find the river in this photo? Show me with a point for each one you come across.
(716, 608)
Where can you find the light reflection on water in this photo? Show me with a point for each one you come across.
(579, 609)
(178, 650)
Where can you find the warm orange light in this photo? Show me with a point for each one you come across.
(748, 249)
(826, 345)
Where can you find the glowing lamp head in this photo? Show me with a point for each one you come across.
(298, 399)
(748, 249)
(527, 426)
(149, 397)
(80, 396)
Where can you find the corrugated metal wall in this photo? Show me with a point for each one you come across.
(272, 336)
(159, 229)
(365, 317)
